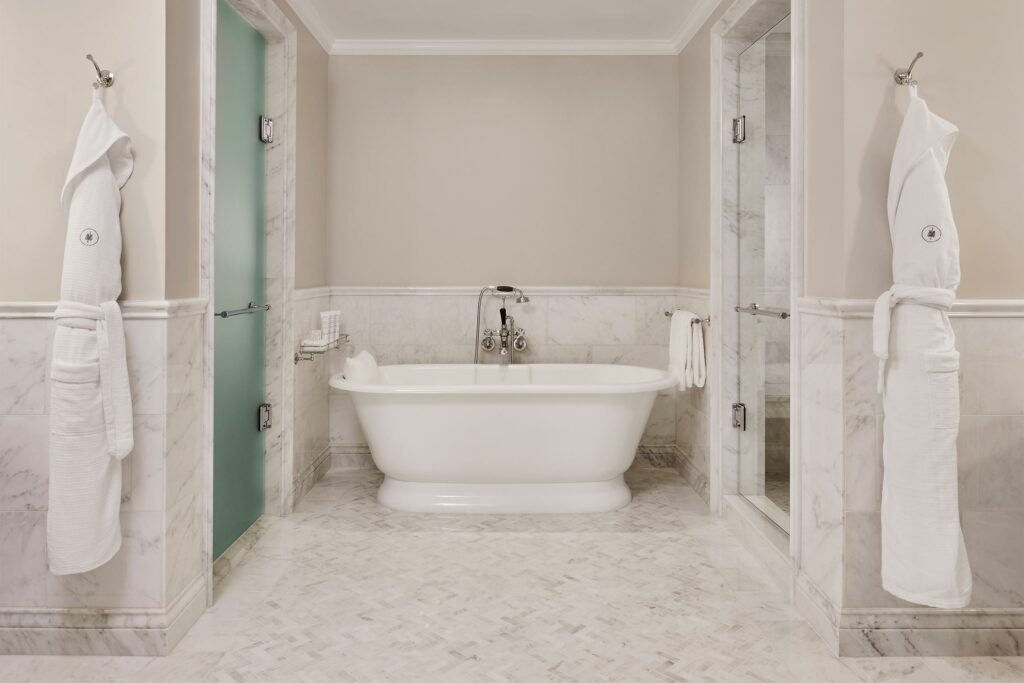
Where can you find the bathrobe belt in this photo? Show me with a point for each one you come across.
(932, 297)
(114, 388)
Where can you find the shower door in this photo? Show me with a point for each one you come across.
(763, 271)
(239, 279)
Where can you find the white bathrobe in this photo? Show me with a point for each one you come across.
(924, 559)
(90, 402)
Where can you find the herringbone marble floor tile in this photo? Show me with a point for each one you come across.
(345, 590)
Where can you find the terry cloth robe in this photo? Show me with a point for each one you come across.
(924, 559)
(90, 402)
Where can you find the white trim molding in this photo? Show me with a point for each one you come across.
(473, 290)
(824, 307)
(152, 309)
(333, 45)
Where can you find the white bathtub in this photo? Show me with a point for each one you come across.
(521, 438)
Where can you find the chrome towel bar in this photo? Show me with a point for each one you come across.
(694, 321)
(755, 309)
(251, 308)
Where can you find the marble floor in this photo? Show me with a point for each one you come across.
(344, 590)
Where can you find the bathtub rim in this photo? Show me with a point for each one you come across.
(665, 381)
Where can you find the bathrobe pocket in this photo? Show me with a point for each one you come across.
(943, 388)
(76, 399)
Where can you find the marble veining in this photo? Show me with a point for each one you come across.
(346, 590)
(101, 611)
(842, 474)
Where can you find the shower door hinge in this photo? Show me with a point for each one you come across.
(739, 416)
(266, 129)
(265, 421)
(739, 129)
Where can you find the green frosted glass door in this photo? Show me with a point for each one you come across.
(238, 279)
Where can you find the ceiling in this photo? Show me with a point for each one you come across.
(587, 27)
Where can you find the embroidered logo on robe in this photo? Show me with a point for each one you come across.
(89, 237)
(931, 233)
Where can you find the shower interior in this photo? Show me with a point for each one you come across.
(764, 271)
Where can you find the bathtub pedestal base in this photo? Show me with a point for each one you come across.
(595, 496)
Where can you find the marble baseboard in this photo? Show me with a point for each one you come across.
(314, 473)
(351, 457)
(656, 455)
(102, 632)
(692, 474)
(235, 552)
(357, 456)
(962, 641)
(921, 632)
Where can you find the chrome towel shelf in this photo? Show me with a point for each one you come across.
(251, 308)
(311, 352)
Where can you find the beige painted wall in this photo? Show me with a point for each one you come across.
(470, 170)
(45, 92)
(182, 106)
(311, 187)
(971, 76)
(695, 156)
(968, 77)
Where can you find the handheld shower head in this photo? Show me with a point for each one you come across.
(522, 298)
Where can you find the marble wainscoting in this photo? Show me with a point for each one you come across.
(312, 455)
(693, 408)
(562, 324)
(841, 473)
(145, 599)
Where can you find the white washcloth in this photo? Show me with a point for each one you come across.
(686, 361)
(362, 368)
(90, 401)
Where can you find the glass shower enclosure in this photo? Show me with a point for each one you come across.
(762, 134)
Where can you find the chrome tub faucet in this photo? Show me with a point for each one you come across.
(510, 339)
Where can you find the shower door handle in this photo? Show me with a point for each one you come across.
(251, 308)
(755, 309)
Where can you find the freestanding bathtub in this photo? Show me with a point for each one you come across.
(520, 438)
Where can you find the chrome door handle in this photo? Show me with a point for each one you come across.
(251, 308)
(755, 309)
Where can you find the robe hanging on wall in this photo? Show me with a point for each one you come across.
(924, 559)
(90, 402)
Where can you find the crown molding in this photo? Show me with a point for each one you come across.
(502, 47)
(314, 22)
(691, 25)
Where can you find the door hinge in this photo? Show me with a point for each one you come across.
(739, 129)
(739, 416)
(266, 129)
(264, 419)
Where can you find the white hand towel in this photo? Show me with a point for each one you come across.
(362, 368)
(90, 401)
(679, 340)
(696, 364)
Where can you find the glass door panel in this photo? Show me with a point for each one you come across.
(764, 273)
(239, 279)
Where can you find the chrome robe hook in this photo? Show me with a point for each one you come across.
(906, 77)
(104, 77)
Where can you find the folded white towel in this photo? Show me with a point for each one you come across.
(696, 364)
(679, 346)
(362, 368)
(686, 350)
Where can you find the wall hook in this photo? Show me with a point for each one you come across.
(906, 77)
(104, 77)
